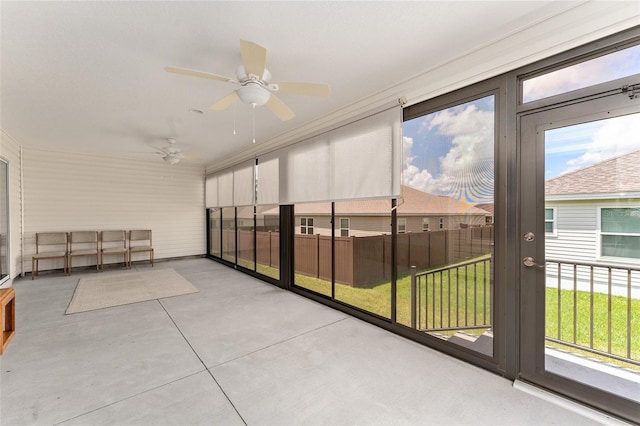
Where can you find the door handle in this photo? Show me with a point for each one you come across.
(530, 262)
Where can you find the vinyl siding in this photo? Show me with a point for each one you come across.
(576, 237)
(70, 191)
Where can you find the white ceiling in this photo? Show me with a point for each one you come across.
(89, 76)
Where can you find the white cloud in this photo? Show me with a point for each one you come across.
(585, 74)
(470, 132)
(617, 136)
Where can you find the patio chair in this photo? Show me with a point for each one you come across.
(83, 244)
(113, 242)
(140, 242)
(50, 245)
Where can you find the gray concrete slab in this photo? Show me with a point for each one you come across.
(243, 320)
(351, 372)
(194, 400)
(55, 373)
(278, 357)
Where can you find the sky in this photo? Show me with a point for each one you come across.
(450, 152)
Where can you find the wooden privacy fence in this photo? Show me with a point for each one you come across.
(363, 260)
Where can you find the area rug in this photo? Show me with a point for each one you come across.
(104, 291)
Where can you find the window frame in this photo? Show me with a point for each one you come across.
(425, 221)
(307, 228)
(554, 222)
(600, 234)
(347, 228)
(402, 225)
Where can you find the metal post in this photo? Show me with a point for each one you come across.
(413, 297)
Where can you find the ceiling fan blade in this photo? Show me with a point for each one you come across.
(254, 58)
(306, 89)
(202, 74)
(279, 108)
(225, 102)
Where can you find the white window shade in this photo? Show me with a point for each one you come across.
(306, 167)
(225, 189)
(244, 184)
(360, 160)
(268, 177)
(211, 191)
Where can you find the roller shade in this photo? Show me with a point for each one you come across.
(360, 160)
(268, 179)
(231, 187)
(211, 191)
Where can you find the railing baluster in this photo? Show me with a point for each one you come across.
(413, 297)
(475, 294)
(575, 301)
(458, 300)
(433, 303)
(609, 313)
(466, 299)
(591, 308)
(449, 298)
(629, 313)
(559, 300)
(441, 299)
(484, 294)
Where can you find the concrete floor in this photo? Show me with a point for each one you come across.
(238, 352)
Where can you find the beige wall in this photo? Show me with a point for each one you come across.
(73, 191)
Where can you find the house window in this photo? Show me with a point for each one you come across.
(550, 221)
(402, 226)
(441, 223)
(425, 224)
(620, 232)
(344, 227)
(306, 225)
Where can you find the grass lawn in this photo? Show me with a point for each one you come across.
(600, 321)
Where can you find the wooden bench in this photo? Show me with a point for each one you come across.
(8, 309)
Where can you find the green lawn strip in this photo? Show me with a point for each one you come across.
(600, 321)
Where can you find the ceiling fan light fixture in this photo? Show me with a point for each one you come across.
(171, 159)
(253, 94)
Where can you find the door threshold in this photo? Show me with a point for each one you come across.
(568, 404)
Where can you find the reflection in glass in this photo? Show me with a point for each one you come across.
(4, 221)
(362, 255)
(609, 67)
(312, 245)
(268, 240)
(593, 261)
(229, 234)
(245, 237)
(215, 228)
(447, 220)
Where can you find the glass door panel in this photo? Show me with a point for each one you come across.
(312, 245)
(580, 273)
(4, 221)
(445, 225)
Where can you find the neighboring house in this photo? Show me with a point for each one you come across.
(417, 212)
(592, 215)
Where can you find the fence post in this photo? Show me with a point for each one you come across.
(413, 297)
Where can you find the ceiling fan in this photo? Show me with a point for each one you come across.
(255, 83)
(171, 154)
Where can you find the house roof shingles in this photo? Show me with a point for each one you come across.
(416, 203)
(619, 174)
